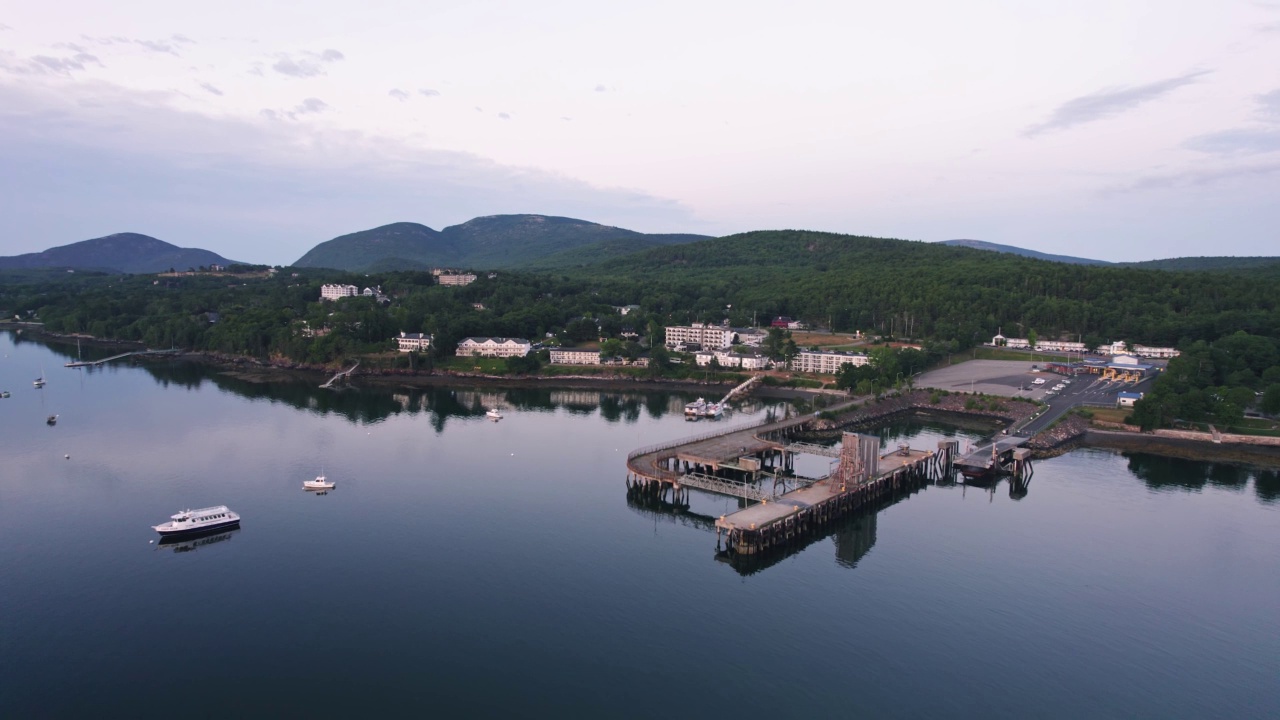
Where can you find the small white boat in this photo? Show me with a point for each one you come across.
(712, 410)
(38, 382)
(52, 420)
(191, 522)
(320, 483)
(493, 415)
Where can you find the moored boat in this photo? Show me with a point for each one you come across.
(190, 522)
(320, 483)
(695, 409)
(493, 414)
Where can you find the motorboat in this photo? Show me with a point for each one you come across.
(38, 382)
(194, 522)
(52, 420)
(493, 414)
(712, 410)
(4, 394)
(320, 483)
(695, 409)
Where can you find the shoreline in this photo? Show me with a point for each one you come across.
(1071, 433)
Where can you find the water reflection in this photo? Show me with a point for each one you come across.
(1171, 473)
(191, 544)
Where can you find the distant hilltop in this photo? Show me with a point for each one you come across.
(996, 247)
(122, 252)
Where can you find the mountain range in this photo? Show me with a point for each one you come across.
(527, 242)
(122, 252)
(492, 242)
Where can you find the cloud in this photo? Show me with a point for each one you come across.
(601, 88)
(211, 88)
(566, 118)
(157, 46)
(1200, 177)
(1269, 106)
(428, 92)
(4, 27)
(308, 64)
(398, 94)
(1109, 102)
(249, 188)
(47, 64)
(310, 106)
(1238, 141)
(504, 116)
(182, 39)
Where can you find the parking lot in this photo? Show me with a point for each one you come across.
(1011, 378)
(1015, 378)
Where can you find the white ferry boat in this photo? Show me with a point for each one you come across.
(493, 414)
(320, 483)
(190, 522)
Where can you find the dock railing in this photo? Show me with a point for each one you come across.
(659, 447)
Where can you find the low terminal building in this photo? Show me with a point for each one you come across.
(1127, 399)
(1121, 347)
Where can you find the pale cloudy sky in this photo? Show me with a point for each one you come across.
(1118, 130)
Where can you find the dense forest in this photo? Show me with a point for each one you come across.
(1215, 383)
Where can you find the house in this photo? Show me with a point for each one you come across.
(337, 292)
(826, 361)
(409, 342)
(494, 347)
(625, 309)
(1127, 399)
(782, 321)
(572, 356)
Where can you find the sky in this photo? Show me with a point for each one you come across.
(1118, 131)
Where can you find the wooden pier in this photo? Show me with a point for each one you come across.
(343, 374)
(92, 363)
(797, 514)
(754, 463)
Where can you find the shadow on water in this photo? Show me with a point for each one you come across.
(1170, 473)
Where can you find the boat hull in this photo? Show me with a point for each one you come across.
(196, 532)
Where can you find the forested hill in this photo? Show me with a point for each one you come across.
(122, 252)
(493, 242)
(931, 290)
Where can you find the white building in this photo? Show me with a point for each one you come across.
(708, 336)
(728, 359)
(751, 337)
(337, 292)
(409, 342)
(571, 356)
(1120, 347)
(455, 279)
(1155, 352)
(1041, 345)
(494, 347)
(826, 361)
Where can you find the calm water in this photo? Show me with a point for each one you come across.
(470, 568)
